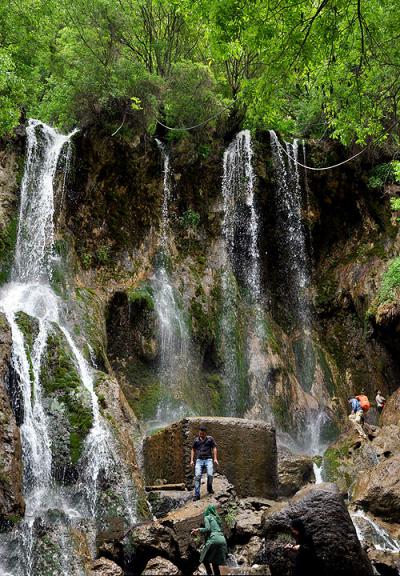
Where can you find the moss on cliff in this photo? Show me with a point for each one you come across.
(142, 295)
(60, 379)
(8, 239)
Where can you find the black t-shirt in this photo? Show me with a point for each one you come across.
(203, 448)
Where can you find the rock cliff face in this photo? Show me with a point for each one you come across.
(143, 264)
(12, 504)
(113, 218)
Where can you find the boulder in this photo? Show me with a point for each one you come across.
(327, 521)
(294, 472)
(385, 563)
(190, 516)
(167, 453)
(346, 457)
(105, 567)
(391, 412)
(378, 491)
(250, 553)
(160, 567)
(164, 501)
(12, 505)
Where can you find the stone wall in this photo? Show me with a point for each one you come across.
(246, 452)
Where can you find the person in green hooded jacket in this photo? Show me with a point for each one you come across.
(215, 550)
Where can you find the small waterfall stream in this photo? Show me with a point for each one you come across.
(30, 293)
(173, 330)
(369, 531)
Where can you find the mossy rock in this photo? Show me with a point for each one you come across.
(60, 380)
(336, 465)
(93, 323)
(8, 239)
(141, 296)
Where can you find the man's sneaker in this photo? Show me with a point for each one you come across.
(211, 491)
(196, 498)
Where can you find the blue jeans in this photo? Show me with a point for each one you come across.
(202, 464)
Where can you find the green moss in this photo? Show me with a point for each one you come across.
(215, 388)
(142, 295)
(148, 401)
(60, 378)
(280, 407)
(8, 239)
(390, 282)
(333, 461)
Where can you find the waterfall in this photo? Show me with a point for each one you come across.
(240, 230)
(35, 237)
(29, 292)
(295, 269)
(173, 331)
(369, 531)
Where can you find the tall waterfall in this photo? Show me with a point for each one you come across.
(173, 331)
(293, 243)
(296, 277)
(30, 293)
(242, 269)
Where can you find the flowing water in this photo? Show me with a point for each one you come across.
(370, 532)
(240, 229)
(296, 279)
(173, 330)
(29, 292)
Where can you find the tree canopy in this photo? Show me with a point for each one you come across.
(305, 67)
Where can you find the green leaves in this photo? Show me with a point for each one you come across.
(325, 68)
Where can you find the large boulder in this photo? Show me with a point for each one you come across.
(348, 456)
(160, 567)
(378, 491)
(391, 412)
(294, 472)
(327, 521)
(240, 443)
(12, 504)
(163, 501)
(105, 567)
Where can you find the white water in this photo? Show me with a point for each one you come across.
(317, 473)
(173, 331)
(297, 269)
(369, 531)
(240, 230)
(29, 292)
(36, 228)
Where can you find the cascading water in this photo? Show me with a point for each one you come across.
(370, 532)
(29, 293)
(173, 332)
(297, 279)
(242, 267)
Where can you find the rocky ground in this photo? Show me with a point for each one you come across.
(362, 489)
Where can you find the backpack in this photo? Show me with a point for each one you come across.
(365, 405)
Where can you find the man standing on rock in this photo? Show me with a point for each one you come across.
(204, 452)
(357, 416)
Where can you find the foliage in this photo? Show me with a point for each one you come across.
(190, 219)
(390, 281)
(384, 173)
(309, 68)
(395, 204)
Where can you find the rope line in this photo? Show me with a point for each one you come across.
(344, 161)
(326, 167)
(196, 125)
